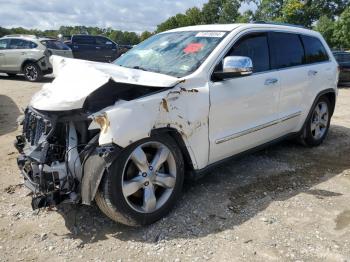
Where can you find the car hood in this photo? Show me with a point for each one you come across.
(76, 79)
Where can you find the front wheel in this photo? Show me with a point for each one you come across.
(32, 72)
(143, 183)
(317, 126)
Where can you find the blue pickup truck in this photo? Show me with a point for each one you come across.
(93, 48)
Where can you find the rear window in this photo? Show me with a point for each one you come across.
(83, 39)
(21, 44)
(314, 50)
(286, 50)
(54, 44)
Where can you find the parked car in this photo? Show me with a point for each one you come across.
(93, 48)
(343, 59)
(29, 55)
(127, 134)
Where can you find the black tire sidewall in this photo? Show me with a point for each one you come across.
(39, 72)
(309, 139)
(112, 184)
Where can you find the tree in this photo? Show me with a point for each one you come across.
(326, 27)
(342, 30)
(145, 35)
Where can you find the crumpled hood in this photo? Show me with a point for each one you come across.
(77, 79)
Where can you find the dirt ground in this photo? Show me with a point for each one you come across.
(286, 203)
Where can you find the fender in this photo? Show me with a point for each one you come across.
(31, 60)
(181, 109)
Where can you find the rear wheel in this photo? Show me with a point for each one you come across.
(143, 183)
(316, 128)
(32, 72)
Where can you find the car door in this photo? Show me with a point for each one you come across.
(83, 47)
(105, 49)
(3, 49)
(243, 110)
(287, 57)
(19, 51)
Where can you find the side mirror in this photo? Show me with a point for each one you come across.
(234, 66)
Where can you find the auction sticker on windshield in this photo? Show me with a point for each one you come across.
(210, 34)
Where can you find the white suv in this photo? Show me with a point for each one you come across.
(127, 134)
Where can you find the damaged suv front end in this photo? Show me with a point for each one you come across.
(78, 129)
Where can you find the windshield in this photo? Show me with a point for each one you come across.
(176, 54)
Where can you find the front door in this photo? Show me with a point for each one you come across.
(243, 112)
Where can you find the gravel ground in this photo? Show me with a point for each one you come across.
(286, 203)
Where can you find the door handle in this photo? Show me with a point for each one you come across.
(271, 81)
(97, 47)
(23, 53)
(312, 73)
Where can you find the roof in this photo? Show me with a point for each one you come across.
(231, 27)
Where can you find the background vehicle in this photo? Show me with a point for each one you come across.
(29, 55)
(123, 134)
(93, 48)
(343, 59)
(56, 47)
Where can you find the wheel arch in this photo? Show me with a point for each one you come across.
(28, 61)
(177, 137)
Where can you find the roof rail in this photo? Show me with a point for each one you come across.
(21, 35)
(278, 23)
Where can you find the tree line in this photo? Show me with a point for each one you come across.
(330, 17)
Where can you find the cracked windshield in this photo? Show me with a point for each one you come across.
(176, 54)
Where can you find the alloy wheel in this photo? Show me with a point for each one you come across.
(319, 120)
(31, 72)
(149, 177)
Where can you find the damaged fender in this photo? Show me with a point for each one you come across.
(180, 108)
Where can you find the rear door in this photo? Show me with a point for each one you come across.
(3, 49)
(20, 50)
(287, 58)
(83, 47)
(105, 49)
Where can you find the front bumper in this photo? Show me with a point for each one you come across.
(44, 163)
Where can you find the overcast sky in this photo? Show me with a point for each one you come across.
(127, 15)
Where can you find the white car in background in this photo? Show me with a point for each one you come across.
(127, 134)
(29, 55)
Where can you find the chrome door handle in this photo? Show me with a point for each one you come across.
(312, 73)
(97, 47)
(271, 81)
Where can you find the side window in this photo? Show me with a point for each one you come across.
(4, 43)
(85, 40)
(254, 46)
(101, 40)
(21, 44)
(314, 50)
(286, 50)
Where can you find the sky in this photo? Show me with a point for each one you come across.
(128, 15)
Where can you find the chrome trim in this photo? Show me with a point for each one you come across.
(257, 128)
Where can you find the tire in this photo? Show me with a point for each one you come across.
(317, 125)
(134, 193)
(32, 72)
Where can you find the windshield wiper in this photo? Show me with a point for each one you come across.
(140, 68)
